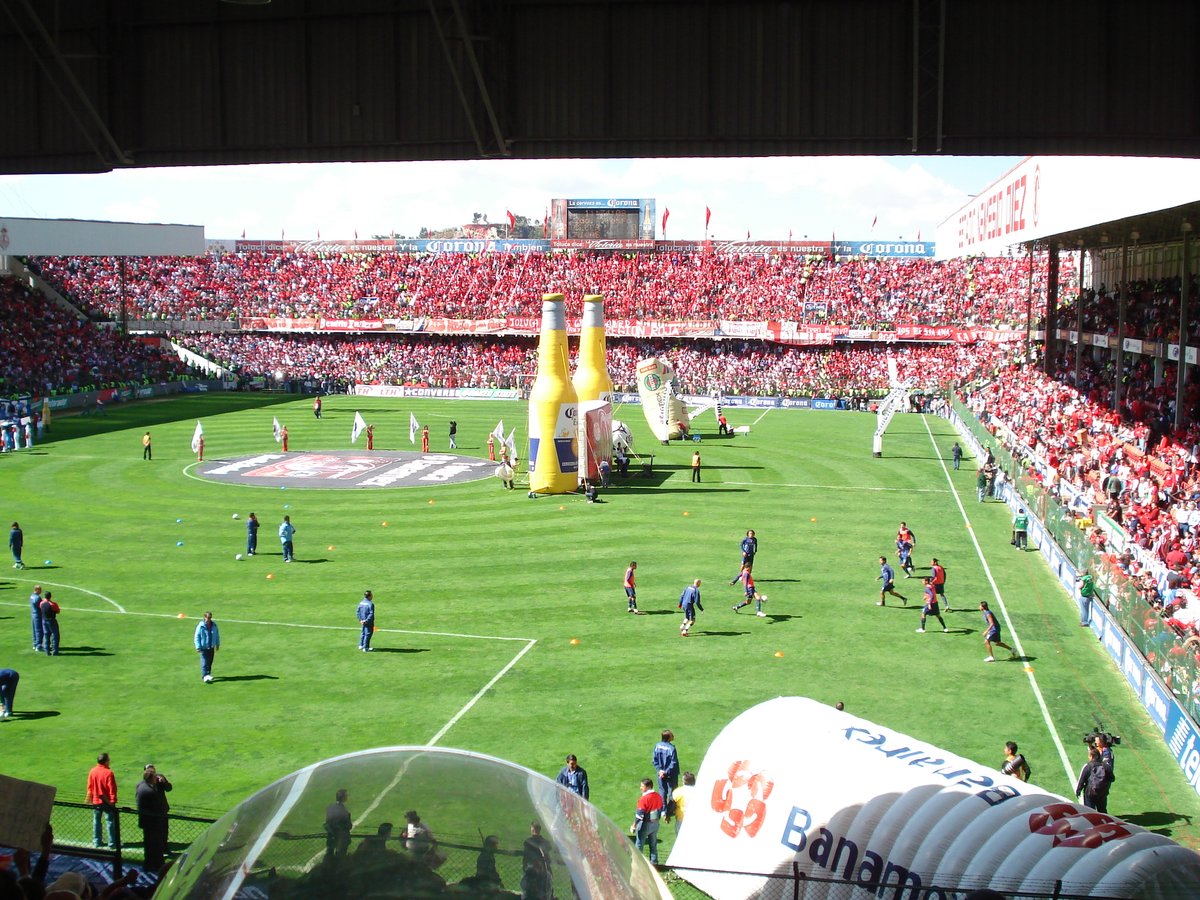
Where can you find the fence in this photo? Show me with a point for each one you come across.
(75, 830)
(1174, 659)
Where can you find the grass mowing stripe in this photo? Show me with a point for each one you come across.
(1037, 691)
(840, 487)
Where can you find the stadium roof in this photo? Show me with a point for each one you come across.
(99, 85)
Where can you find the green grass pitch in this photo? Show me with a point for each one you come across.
(502, 622)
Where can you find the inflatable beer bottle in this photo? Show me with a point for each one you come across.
(592, 381)
(553, 406)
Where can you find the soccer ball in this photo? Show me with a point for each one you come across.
(239, 556)
(235, 515)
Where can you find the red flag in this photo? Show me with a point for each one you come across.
(512, 220)
(707, 217)
(666, 215)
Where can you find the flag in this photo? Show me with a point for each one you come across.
(413, 427)
(546, 224)
(512, 220)
(359, 427)
(277, 429)
(511, 443)
(789, 235)
(356, 234)
(747, 234)
(243, 234)
(666, 215)
(918, 234)
(197, 437)
(875, 221)
(318, 234)
(707, 217)
(498, 431)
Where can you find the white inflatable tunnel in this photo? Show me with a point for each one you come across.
(793, 791)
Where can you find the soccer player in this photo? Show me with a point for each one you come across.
(904, 554)
(749, 548)
(631, 588)
(931, 607)
(938, 576)
(888, 577)
(903, 533)
(991, 633)
(752, 596)
(689, 602)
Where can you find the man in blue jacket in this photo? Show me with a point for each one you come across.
(208, 642)
(666, 765)
(366, 618)
(286, 532)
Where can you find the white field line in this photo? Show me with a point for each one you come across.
(1037, 691)
(72, 587)
(840, 487)
(760, 418)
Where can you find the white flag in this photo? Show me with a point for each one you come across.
(277, 429)
(197, 437)
(413, 427)
(511, 443)
(498, 431)
(359, 427)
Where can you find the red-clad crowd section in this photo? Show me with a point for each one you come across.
(867, 293)
(44, 349)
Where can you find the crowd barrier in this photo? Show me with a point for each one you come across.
(1162, 670)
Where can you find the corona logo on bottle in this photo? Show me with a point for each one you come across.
(553, 407)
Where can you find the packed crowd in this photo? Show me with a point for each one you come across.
(1134, 467)
(44, 349)
(856, 292)
(732, 367)
(1151, 310)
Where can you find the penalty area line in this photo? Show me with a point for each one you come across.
(987, 571)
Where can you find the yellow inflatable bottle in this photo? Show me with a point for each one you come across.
(592, 381)
(553, 408)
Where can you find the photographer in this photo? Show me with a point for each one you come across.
(1095, 779)
(152, 807)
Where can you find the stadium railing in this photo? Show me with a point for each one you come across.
(1171, 657)
(73, 825)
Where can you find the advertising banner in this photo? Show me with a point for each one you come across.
(793, 788)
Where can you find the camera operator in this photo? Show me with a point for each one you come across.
(1103, 744)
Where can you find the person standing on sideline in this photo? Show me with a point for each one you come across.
(696, 466)
(317, 406)
(1020, 538)
(991, 633)
(981, 483)
(681, 796)
(286, 531)
(147, 450)
(102, 795)
(749, 548)
(337, 827)
(35, 617)
(453, 435)
(50, 632)
(1087, 593)
(16, 541)
(665, 759)
(366, 619)
(956, 456)
(425, 439)
(574, 778)
(1095, 779)
(208, 642)
(931, 607)
(8, 691)
(283, 436)
(888, 577)
(631, 588)
(1014, 763)
(251, 534)
(937, 575)
(646, 817)
(152, 808)
(689, 602)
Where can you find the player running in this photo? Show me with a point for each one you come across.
(931, 607)
(888, 577)
(752, 595)
(991, 633)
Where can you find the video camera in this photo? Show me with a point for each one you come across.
(1111, 739)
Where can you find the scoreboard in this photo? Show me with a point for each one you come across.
(602, 219)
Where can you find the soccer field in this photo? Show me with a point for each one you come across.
(502, 624)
